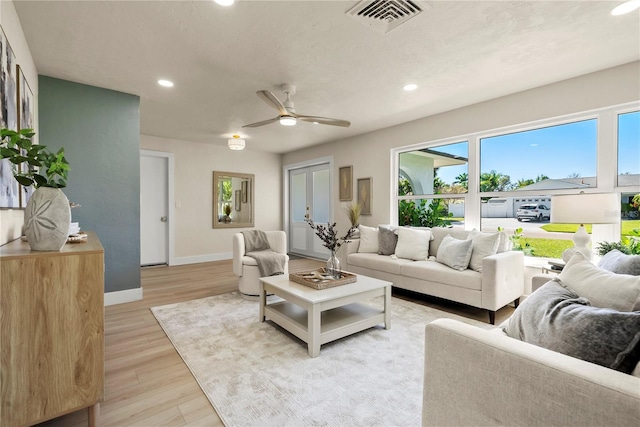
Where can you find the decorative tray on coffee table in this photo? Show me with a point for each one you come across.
(319, 279)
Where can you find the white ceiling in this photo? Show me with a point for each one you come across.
(458, 52)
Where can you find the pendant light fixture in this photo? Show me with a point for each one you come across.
(236, 143)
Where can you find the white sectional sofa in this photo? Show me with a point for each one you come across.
(568, 356)
(500, 282)
(477, 377)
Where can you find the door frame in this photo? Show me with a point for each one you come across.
(285, 190)
(170, 198)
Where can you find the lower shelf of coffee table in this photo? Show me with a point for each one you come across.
(334, 324)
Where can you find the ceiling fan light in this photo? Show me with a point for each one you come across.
(626, 7)
(236, 143)
(288, 121)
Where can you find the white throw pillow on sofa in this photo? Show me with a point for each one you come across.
(484, 244)
(368, 239)
(413, 244)
(603, 288)
(455, 253)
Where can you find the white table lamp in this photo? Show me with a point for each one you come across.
(602, 208)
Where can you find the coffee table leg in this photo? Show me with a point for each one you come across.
(387, 307)
(313, 328)
(263, 301)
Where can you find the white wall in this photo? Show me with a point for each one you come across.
(11, 220)
(195, 239)
(370, 153)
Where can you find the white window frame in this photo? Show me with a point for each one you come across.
(606, 164)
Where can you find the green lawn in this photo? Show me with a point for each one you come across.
(549, 248)
(627, 227)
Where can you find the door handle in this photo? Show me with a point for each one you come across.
(163, 219)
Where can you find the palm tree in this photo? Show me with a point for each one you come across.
(463, 180)
(494, 181)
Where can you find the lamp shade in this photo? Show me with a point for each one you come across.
(236, 143)
(602, 208)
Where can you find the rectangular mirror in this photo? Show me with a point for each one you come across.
(232, 200)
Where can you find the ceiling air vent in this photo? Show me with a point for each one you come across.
(384, 15)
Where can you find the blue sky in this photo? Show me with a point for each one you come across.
(557, 151)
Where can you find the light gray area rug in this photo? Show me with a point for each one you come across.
(256, 374)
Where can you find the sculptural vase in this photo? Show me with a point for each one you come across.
(46, 219)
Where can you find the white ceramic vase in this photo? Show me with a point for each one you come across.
(46, 219)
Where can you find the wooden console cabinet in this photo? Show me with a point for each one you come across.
(51, 331)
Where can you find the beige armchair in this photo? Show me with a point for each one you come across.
(246, 268)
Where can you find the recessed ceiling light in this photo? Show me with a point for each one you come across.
(409, 87)
(165, 83)
(224, 2)
(626, 7)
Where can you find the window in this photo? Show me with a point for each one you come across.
(629, 149)
(441, 170)
(506, 178)
(436, 170)
(554, 157)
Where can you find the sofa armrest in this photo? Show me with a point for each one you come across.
(474, 376)
(502, 279)
(238, 253)
(350, 247)
(540, 279)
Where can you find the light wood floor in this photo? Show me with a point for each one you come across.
(146, 381)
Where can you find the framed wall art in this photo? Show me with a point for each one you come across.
(238, 199)
(346, 183)
(26, 120)
(246, 188)
(365, 186)
(9, 189)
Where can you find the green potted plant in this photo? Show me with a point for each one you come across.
(47, 214)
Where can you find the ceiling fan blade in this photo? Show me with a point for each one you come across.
(262, 123)
(271, 99)
(324, 120)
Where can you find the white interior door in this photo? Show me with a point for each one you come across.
(154, 207)
(309, 197)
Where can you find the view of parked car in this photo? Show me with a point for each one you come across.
(534, 212)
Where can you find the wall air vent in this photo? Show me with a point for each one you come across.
(384, 15)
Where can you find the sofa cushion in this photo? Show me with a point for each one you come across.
(439, 233)
(413, 244)
(368, 239)
(377, 262)
(617, 262)
(484, 244)
(603, 288)
(387, 240)
(435, 272)
(455, 253)
(556, 318)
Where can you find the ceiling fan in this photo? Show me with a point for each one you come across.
(286, 112)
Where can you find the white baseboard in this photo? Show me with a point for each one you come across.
(121, 297)
(202, 258)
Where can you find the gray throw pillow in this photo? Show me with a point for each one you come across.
(619, 263)
(556, 318)
(387, 240)
(455, 253)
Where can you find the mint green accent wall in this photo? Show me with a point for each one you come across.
(100, 132)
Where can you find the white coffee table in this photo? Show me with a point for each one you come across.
(321, 316)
